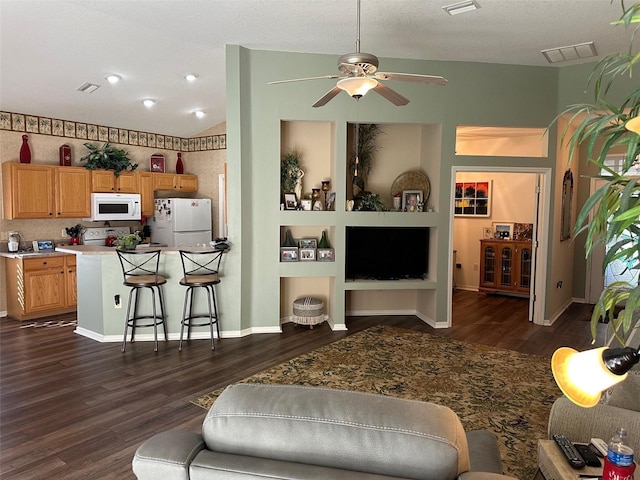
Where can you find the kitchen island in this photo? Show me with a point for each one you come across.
(102, 298)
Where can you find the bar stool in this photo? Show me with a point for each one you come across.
(140, 271)
(201, 270)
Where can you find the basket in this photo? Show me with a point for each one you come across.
(308, 311)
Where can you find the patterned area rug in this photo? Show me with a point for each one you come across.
(507, 392)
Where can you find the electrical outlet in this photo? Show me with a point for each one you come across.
(559, 284)
(458, 265)
(116, 301)
(63, 233)
(4, 235)
(476, 267)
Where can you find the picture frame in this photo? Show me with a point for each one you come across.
(412, 200)
(487, 233)
(308, 243)
(522, 231)
(307, 254)
(502, 230)
(288, 254)
(290, 201)
(326, 255)
(156, 163)
(472, 199)
(306, 204)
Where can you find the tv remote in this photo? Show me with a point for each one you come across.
(587, 454)
(569, 451)
(600, 445)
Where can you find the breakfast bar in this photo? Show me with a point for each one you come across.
(102, 298)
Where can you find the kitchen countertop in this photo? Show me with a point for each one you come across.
(102, 250)
(32, 254)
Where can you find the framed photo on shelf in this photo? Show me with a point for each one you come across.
(307, 254)
(326, 255)
(502, 231)
(472, 199)
(308, 243)
(487, 233)
(156, 163)
(290, 201)
(288, 254)
(412, 200)
(306, 204)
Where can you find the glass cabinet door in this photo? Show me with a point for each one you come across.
(489, 265)
(506, 266)
(525, 268)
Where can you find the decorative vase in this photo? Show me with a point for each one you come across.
(179, 164)
(25, 151)
(75, 241)
(288, 240)
(324, 242)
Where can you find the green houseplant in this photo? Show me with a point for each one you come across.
(610, 215)
(290, 171)
(367, 147)
(128, 242)
(108, 158)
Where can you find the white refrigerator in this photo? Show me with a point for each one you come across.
(182, 222)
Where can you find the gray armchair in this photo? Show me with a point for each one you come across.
(296, 432)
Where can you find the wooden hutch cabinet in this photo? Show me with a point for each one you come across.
(505, 266)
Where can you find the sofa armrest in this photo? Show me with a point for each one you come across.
(582, 424)
(167, 455)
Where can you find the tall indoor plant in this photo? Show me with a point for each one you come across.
(611, 214)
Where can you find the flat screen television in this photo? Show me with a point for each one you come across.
(387, 253)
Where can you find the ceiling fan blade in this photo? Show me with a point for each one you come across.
(327, 97)
(304, 79)
(412, 77)
(390, 94)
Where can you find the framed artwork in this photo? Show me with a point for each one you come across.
(307, 254)
(472, 199)
(502, 231)
(308, 243)
(306, 204)
(288, 254)
(522, 231)
(412, 200)
(156, 163)
(567, 196)
(290, 202)
(487, 232)
(326, 255)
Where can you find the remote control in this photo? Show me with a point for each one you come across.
(587, 454)
(569, 451)
(601, 446)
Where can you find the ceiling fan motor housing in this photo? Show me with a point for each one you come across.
(366, 61)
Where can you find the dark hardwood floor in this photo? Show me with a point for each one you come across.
(73, 408)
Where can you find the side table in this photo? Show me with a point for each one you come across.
(552, 464)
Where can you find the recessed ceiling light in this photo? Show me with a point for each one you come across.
(199, 113)
(112, 78)
(87, 87)
(191, 77)
(148, 102)
(461, 7)
(570, 52)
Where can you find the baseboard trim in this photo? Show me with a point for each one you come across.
(148, 337)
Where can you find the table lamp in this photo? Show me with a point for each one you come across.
(583, 376)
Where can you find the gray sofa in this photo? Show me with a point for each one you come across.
(297, 432)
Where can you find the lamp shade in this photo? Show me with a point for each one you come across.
(357, 86)
(633, 125)
(583, 376)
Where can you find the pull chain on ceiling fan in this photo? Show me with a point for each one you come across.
(361, 75)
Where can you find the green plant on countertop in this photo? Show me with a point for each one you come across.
(128, 242)
(371, 202)
(108, 158)
(610, 215)
(76, 231)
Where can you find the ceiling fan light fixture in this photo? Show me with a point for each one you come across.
(357, 86)
(461, 7)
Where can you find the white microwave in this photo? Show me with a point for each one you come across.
(114, 206)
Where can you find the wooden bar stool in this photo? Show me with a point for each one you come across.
(140, 271)
(201, 270)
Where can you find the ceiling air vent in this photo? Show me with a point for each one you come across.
(570, 52)
(87, 87)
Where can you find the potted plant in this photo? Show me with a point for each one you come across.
(128, 242)
(291, 174)
(610, 215)
(108, 158)
(371, 202)
(75, 233)
(367, 148)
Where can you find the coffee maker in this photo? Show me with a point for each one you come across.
(14, 241)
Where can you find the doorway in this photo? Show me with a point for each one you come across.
(540, 179)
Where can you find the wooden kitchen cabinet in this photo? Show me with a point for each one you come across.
(104, 181)
(505, 266)
(175, 182)
(45, 191)
(145, 182)
(40, 286)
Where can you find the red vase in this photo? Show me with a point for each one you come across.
(179, 164)
(25, 151)
(75, 241)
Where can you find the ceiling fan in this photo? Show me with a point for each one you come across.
(360, 75)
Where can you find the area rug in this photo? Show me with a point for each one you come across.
(506, 392)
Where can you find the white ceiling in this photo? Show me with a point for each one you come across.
(50, 47)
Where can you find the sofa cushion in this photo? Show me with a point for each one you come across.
(340, 429)
(625, 394)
